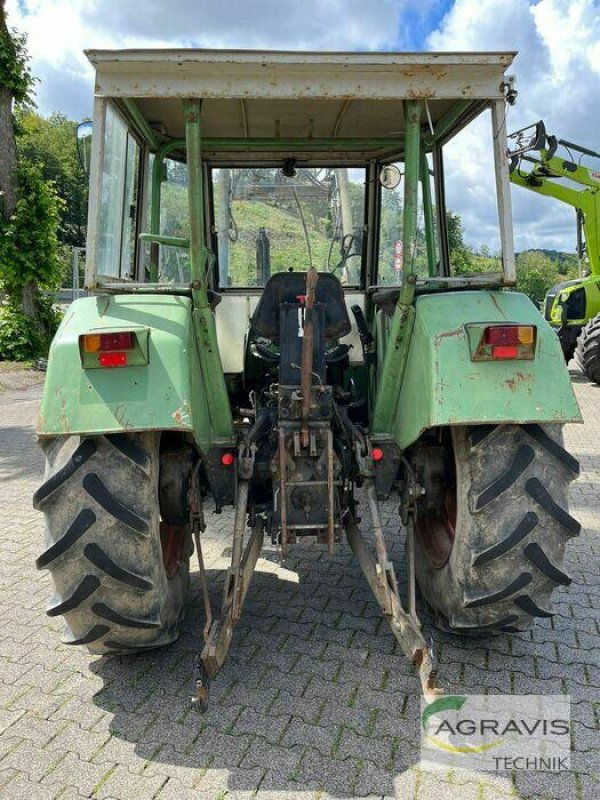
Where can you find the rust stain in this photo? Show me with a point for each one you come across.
(420, 94)
(63, 406)
(448, 334)
(416, 70)
(182, 414)
(518, 379)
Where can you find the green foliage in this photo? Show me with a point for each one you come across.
(537, 273)
(465, 259)
(51, 143)
(461, 261)
(288, 243)
(456, 231)
(23, 338)
(15, 74)
(29, 258)
(263, 199)
(28, 240)
(461, 256)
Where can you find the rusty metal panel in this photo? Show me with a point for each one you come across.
(167, 393)
(443, 386)
(296, 76)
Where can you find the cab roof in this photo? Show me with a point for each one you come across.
(251, 94)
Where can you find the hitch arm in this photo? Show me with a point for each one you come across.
(218, 633)
(404, 626)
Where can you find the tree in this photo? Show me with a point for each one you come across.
(455, 231)
(29, 213)
(536, 274)
(51, 142)
(461, 255)
(16, 83)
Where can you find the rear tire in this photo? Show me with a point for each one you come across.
(506, 530)
(103, 545)
(587, 352)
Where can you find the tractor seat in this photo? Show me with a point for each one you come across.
(386, 299)
(213, 298)
(334, 356)
(286, 287)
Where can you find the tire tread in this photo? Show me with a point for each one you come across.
(523, 529)
(523, 458)
(96, 555)
(82, 454)
(103, 546)
(511, 529)
(587, 351)
(524, 579)
(98, 491)
(80, 525)
(536, 490)
(86, 588)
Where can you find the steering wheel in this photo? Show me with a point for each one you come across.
(346, 246)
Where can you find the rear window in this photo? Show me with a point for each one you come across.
(267, 222)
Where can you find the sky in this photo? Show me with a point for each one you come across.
(557, 70)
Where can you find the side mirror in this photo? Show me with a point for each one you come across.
(390, 176)
(84, 144)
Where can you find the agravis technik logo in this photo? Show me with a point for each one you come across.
(497, 732)
(454, 702)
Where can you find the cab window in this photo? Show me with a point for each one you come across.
(270, 220)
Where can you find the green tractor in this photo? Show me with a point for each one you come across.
(275, 325)
(573, 307)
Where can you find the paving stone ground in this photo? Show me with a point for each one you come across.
(315, 701)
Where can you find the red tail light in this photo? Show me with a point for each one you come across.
(115, 348)
(509, 334)
(112, 359)
(505, 351)
(377, 454)
(108, 342)
(504, 342)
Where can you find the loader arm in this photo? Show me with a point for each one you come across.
(541, 178)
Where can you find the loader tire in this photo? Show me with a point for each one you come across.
(489, 562)
(103, 543)
(587, 352)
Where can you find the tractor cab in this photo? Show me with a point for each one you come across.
(213, 173)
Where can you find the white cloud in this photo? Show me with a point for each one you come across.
(569, 30)
(59, 30)
(318, 24)
(557, 69)
(558, 79)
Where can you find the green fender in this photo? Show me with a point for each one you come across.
(443, 386)
(163, 391)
